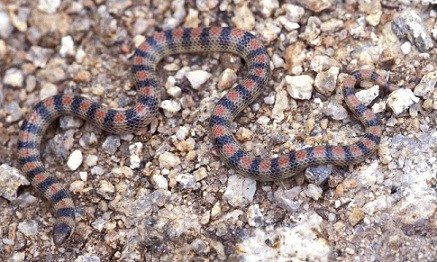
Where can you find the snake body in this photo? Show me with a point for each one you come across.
(148, 85)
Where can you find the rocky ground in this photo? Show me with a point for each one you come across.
(164, 194)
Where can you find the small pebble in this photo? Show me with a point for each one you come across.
(47, 90)
(67, 46)
(186, 181)
(197, 78)
(313, 191)
(159, 182)
(75, 160)
(13, 77)
(10, 180)
(366, 96)
(355, 216)
(168, 160)
(48, 6)
(28, 227)
(299, 87)
(227, 79)
(170, 106)
(111, 144)
(239, 191)
(243, 18)
(401, 99)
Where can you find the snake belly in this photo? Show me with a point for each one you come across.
(148, 85)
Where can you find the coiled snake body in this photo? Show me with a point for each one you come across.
(148, 84)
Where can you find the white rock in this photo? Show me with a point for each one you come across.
(289, 26)
(243, 17)
(28, 227)
(270, 31)
(67, 46)
(135, 151)
(159, 181)
(91, 160)
(80, 55)
(6, 27)
(427, 85)
(263, 120)
(254, 216)
(409, 212)
(122, 171)
(299, 87)
(83, 176)
(280, 105)
(313, 191)
(367, 175)
(268, 6)
(171, 88)
(75, 160)
(181, 73)
(17, 256)
(335, 110)
(10, 180)
(401, 99)
(170, 106)
(13, 77)
(106, 187)
(382, 202)
(326, 81)
(200, 174)
(239, 191)
(302, 242)
(288, 199)
(227, 79)
(406, 47)
(182, 133)
(47, 90)
(186, 180)
(179, 14)
(293, 12)
(168, 160)
(197, 78)
(48, 6)
(277, 61)
(77, 186)
(366, 96)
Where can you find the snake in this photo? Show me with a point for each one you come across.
(148, 87)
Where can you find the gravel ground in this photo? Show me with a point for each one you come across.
(164, 194)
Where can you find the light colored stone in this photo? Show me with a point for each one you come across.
(282, 104)
(10, 180)
(67, 46)
(239, 191)
(227, 78)
(326, 81)
(13, 77)
(135, 151)
(306, 236)
(197, 78)
(244, 18)
(48, 6)
(159, 181)
(168, 160)
(299, 87)
(75, 160)
(47, 90)
(313, 191)
(401, 99)
(366, 96)
(170, 106)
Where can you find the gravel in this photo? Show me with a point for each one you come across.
(163, 193)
